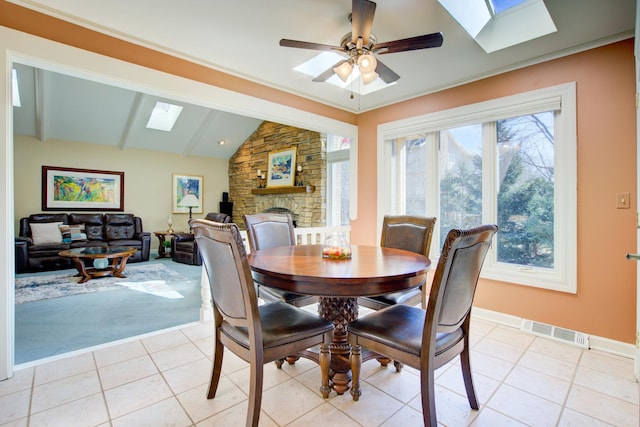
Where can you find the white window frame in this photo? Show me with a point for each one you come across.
(336, 157)
(562, 99)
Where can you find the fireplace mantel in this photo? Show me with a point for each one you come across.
(284, 190)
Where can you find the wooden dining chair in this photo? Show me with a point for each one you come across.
(268, 230)
(426, 340)
(257, 334)
(411, 233)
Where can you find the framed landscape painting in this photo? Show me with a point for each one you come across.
(67, 189)
(187, 185)
(281, 170)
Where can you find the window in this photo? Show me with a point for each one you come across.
(15, 91)
(510, 161)
(499, 24)
(338, 175)
(325, 60)
(164, 116)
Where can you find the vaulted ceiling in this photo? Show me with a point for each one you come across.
(57, 106)
(241, 38)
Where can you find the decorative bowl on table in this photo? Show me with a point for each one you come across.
(100, 263)
(336, 246)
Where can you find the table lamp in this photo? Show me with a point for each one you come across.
(189, 201)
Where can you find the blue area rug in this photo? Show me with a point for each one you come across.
(104, 312)
(40, 287)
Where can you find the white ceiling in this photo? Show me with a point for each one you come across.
(241, 38)
(74, 109)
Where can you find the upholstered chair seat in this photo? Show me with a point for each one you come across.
(427, 340)
(411, 233)
(268, 230)
(256, 334)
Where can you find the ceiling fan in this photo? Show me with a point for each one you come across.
(360, 45)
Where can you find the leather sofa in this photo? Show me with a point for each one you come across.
(184, 248)
(37, 250)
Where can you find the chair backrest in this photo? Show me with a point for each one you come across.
(411, 233)
(268, 230)
(456, 278)
(225, 261)
(218, 217)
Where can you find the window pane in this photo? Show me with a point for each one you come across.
(415, 176)
(335, 143)
(339, 194)
(526, 190)
(460, 171)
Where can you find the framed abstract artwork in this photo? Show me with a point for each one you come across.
(187, 193)
(281, 168)
(66, 189)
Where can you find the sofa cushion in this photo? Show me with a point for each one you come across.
(119, 227)
(93, 224)
(46, 232)
(48, 217)
(73, 233)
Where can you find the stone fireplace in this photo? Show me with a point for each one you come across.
(306, 203)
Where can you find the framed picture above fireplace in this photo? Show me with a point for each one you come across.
(281, 168)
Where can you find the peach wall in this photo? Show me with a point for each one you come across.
(605, 304)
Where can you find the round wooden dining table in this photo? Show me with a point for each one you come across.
(371, 271)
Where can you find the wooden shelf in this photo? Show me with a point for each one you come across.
(284, 190)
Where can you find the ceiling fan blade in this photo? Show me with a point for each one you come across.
(385, 73)
(412, 43)
(328, 72)
(308, 45)
(362, 12)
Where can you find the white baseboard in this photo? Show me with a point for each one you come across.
(595, 342)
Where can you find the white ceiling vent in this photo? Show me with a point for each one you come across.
(555, 333)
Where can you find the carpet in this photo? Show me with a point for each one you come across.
(149, 278)
(109, 312)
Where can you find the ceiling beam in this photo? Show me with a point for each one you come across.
(134, 113)
(42, 94)
(199, 134)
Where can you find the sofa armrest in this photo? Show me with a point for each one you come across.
(184, 237)
(22, 254)
(146, 245)
(27, 240)
(142, 236)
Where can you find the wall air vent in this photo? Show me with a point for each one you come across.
(555, 333)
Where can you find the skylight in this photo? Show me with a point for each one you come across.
(15, 93)
(164, 116)
(500, 6)
(502, 23)
(322, 62)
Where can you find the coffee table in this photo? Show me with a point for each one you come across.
(117, 254)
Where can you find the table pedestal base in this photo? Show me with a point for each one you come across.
(340, 311)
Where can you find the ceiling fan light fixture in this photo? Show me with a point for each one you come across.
(367, 63)
(369, 77)
(344, 70)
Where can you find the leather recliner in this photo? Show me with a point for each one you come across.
(184, 248)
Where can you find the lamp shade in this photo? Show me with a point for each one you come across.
(367, 63)
(369, 77)
(343, 70)
(189, 201)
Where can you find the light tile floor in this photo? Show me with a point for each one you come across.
(161, 380)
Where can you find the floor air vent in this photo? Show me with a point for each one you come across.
(555, 333)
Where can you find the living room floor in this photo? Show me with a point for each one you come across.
(161, 380)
